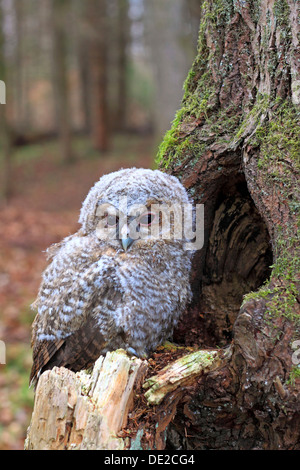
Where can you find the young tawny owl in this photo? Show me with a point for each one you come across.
(122, 280)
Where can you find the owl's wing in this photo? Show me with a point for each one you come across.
(76, 352)
(76, 309)
(42, 353)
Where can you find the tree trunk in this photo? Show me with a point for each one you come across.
(171, 50)
(234, 145)
(101, 410)
(97, 52)
(5, 140)
(122, 62)
(81, 411)
(61, 87)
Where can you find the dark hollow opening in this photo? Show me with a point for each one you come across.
(234, 261)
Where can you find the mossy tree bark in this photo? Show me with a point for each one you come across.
(235, 145)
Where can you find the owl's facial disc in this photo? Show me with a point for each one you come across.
(136, 222)
(137, 227)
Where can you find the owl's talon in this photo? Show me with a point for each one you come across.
(132, 352)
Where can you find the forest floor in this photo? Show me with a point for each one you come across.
(44, 208)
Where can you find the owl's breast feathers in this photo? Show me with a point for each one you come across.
(93, 299)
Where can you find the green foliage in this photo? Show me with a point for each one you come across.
(294, 374)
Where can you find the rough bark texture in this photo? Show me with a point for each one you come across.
(102, 410)
(235, 146)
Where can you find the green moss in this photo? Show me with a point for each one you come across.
(263, 293)
(255, 10)
(281, 291)
(282, 12)
(168, 148)
(199, 91)
(219, 12)
(278, 139)
(294, 374)
(279, 142)
(251, 119)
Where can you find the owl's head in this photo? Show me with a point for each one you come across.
(131, 207)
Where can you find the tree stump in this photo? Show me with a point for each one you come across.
(89, 411)
(84, 411)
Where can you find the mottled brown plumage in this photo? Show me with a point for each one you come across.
(101, 292)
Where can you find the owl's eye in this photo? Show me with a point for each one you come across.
(111, 220)
(147, 219)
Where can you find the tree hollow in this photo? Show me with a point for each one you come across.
(234, 261)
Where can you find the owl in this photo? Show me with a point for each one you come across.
(121, 281)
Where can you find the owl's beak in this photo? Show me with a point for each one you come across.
(126, 240)
(126, 243)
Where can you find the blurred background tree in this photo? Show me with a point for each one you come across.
(4, 129)
(96, 67)
(91, 86)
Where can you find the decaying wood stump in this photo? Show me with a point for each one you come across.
(84, 411)
(89, 411)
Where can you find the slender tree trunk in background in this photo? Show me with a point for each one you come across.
(60, 8)
(5, 140)
(172, 54)
(97, 52)
(122, 41)
(84, 82)
(235, 146)
(18, 7)
(83, 61)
